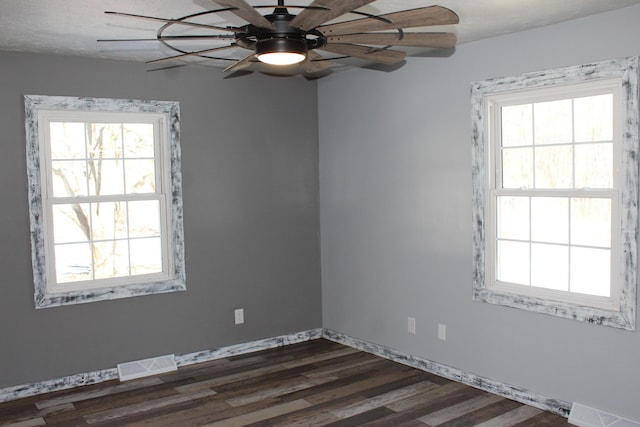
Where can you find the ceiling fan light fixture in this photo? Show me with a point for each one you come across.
(281, 51)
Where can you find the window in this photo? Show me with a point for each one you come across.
(105, 198)
(555, 180)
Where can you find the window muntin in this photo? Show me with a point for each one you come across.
(105, 198)
(555, 179)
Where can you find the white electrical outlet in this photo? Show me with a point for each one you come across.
(239, 315)
(442, 332)
(411, 325)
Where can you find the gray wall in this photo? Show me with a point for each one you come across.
(395, 192)
(250, 184)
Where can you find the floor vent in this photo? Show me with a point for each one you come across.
(584, 416)
(146, 367)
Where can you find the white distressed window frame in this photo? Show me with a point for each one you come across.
(620, 311)
(39, 110)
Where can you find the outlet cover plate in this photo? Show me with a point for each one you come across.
(442, 332)
(239, 316)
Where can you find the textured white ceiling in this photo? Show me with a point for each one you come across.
(72, 27)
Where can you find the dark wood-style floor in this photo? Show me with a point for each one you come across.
(308, 384)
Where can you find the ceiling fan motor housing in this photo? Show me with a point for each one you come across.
(283, 37)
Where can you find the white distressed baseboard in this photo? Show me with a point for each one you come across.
(250, 347)
(56, 384)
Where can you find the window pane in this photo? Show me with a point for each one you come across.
(138, 140)
(594, 118)
(144, 218)
(512, 263)
(591, 222)
(591, 271)
(513, 218)
(106, 177)
(140, 176)
(111, 259)
(517, 125)
(67, 140)
(553, 122)
(550, 266)
(554, 167)
(594, 165)
(105, 140)
(550, 219)
(71, 223)
(69, 178)
(517, 168)
(108, 220)
(146, 256)
(73, 263)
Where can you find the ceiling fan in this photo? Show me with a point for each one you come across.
(292, 42)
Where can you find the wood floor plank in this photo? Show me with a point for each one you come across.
(326, 356)
(313, 419)
(147, 416)
(98, 402)
(285, 388)
(262, 414)
(383, 399)
(351, 363)
(255, 383)
(316, 415)
(362, 417)
(462, 408)
(426, 407)
(227, 379)
(426, 396)
(136, 408)
(517, 415)
(358, 386)
(28, 410)
(232, 412)
(345, 380)
(107, 391)
(540, 420)
(485, 413)
(315, 383)
(395, 385)
(33, 422)
(200, 413)
(211, 367)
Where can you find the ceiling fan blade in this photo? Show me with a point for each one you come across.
(245, 11)
(244, 62)
(127, 40)
(433, 40)
(174, 21)
(176, 38)
(383, 56)
(236, 74)
(315, 63)
(196, 53)
(168, 67)
(311, 18)
(421, 17)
